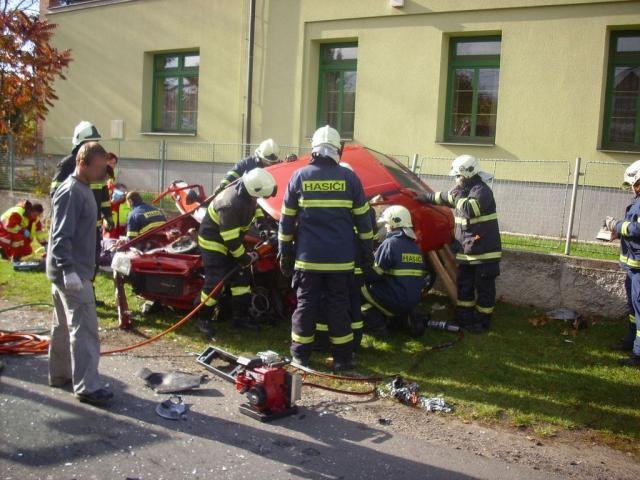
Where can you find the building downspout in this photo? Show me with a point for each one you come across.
(249, 96)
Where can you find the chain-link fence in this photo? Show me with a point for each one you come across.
(150, 165)
(533, 197)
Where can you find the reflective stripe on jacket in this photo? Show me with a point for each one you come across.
(476, 231)
(398, 274)
(228, 217)
(322, 205)
(143, 218)
(629, 232)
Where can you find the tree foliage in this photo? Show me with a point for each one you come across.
(29, 66)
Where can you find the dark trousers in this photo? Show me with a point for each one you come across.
(476, 293)
(322, 296)
(216, 266)
(632, 285)
(630, 334)
(322, 342)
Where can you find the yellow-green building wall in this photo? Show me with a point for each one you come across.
(553, 67)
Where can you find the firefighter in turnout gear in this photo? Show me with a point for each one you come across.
(142, 216)
(228, 217)
(628, 230)
(266, 154)
(477, 241)
(393, 286)
(322, 342)
(323, 204)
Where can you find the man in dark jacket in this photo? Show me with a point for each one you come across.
(478, 248)
(628, 230)
(322, 206)
(142, 216)
(228, 218)
(393, 287)
(266, 154)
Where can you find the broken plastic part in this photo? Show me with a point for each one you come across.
(172, 409)
(171, 382)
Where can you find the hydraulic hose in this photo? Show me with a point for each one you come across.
(184, 319)
(24, 343)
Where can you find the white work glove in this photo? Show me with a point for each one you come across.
(248, 258)
(72, 282)
(610, 223)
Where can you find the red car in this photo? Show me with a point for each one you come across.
(164, 264)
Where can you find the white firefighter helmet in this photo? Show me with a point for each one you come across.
(84, 132)
(466, 166)
(268, 151)
(632, 174)
(396, 216)
(259, 183)
(326, 136)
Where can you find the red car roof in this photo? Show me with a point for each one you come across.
(380, 175)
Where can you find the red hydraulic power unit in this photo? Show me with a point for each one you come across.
(271, 390)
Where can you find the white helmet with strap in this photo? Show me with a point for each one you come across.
(326, 142)
(84, 132)
(259, 183)
(632, 174)
(466, 166)
(396, 216)
(268, 151)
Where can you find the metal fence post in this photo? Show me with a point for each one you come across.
(414, 164)
(213, 167)
(572, 208)
(12, 164)
(163, 155)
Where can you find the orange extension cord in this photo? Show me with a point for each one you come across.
(19, 343)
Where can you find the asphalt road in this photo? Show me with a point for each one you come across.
(46, 434)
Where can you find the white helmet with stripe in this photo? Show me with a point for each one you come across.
(84, 132)
(268, 151)
(396, 216)
(632, 174)
(466, 166)
(260, 183)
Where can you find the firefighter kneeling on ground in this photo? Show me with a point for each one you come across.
(393, 286)
(18, 227)
(229, 216)
(478, 248)
(323, 204)
(628, 230)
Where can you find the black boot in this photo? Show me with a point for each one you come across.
(632, 361)
(241, 318)
(416, 324)
(205, 322)
(622, 346)
(344, 364)
(375, 324)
